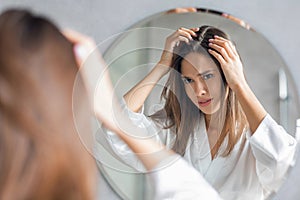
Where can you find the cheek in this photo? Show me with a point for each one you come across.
(215, 88)
(190, 92)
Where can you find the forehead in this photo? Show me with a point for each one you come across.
(197, 63)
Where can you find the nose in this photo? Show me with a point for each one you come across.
(200, 88)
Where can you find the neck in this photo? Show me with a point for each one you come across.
(212, 122)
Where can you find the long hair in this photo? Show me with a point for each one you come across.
(41, 155)
(181, 115)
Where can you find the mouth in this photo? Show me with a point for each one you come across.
(204, 103)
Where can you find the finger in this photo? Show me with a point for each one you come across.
(72, 35)
(195, 29)
(183, 39)
(221, 50)
(217, 56)
(175, 41)
(234, 49)
(226, 44)
(190, 31)
(79, 39)
(81, 54)
(76, 37)
(219, 37)
(229, 42)
(83, 45)
(185, 33)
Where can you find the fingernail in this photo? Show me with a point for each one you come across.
(80, 51)
(211, 40)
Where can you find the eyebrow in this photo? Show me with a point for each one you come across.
(201, 74)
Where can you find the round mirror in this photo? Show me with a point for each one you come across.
(134, 52)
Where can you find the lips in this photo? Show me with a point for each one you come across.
(204, 102)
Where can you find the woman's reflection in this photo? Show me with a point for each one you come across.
(211, 117)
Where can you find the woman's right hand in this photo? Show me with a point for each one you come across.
(173, 40)
(136, 96)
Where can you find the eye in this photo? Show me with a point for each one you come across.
(187, 80)
(207, 76)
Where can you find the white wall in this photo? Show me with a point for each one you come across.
(277, 20)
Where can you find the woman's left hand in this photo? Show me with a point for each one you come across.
(225, 52)
(95, 74)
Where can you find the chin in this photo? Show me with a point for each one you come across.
(208, 111)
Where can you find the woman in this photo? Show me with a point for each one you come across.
(42, 156)
(211, 117)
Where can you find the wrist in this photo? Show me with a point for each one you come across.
(238, 85)
(166, 58)
(241, 88)
(162, 68)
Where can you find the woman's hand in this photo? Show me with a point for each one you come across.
(225, 52)
(83, 45)
(180, 35)
(95, 75)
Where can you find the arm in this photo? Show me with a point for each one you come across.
(225, 52)
(252, 108)
(96, 78)
(99, 88)
(273, 148)
(136, 96)
(275, 152)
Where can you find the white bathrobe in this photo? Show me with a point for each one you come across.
(256, 167)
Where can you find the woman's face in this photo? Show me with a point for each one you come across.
(202, 81)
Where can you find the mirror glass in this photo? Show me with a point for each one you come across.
(134, 52)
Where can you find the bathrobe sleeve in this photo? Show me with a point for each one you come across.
(121, 149)
(175, 179)
(274, 150)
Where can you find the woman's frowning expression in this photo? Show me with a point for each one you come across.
(202, 81)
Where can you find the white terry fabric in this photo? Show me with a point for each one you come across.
(256, 167)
